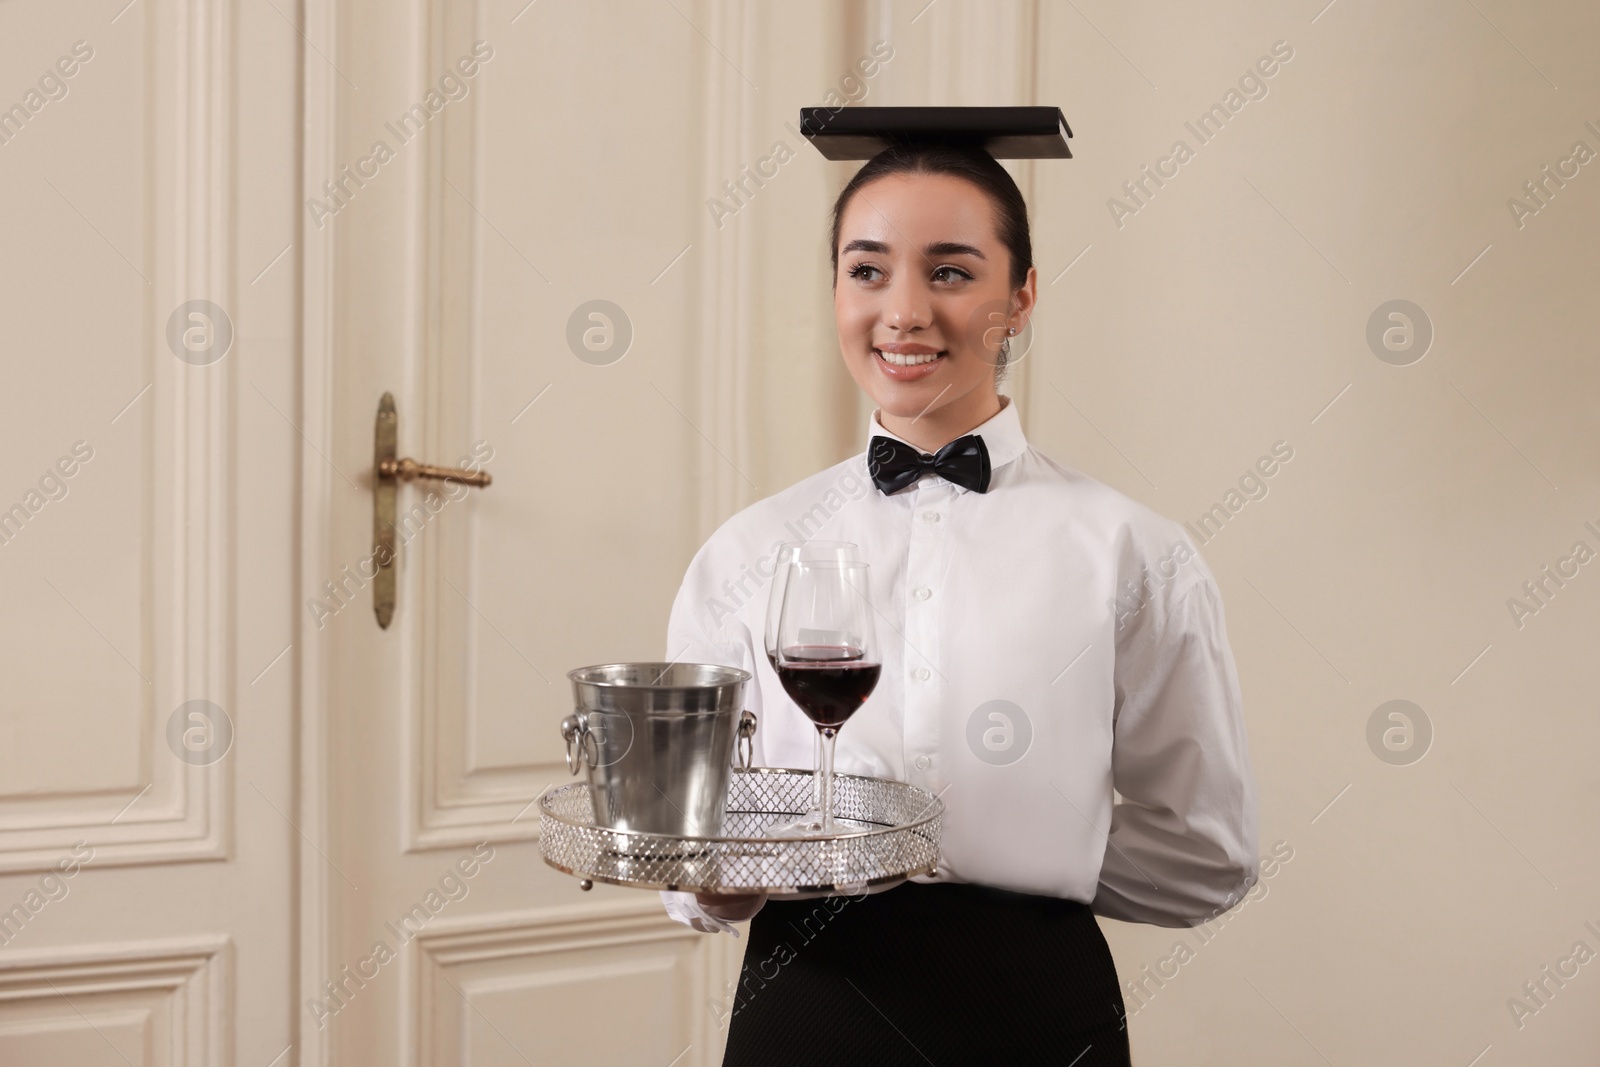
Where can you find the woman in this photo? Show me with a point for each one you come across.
(1045, 641)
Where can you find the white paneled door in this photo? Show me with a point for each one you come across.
(149, 449)
(499, 201)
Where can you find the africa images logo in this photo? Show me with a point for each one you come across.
(452, 887)
(999, 732)
(454, 85)
(1252, 85)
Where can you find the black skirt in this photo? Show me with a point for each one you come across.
(938, 973)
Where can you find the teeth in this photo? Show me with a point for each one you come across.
(900, 359)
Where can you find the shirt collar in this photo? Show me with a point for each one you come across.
(1002, 434)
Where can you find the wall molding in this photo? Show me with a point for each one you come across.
(321, 95)
(450, 957)
(722, 387)
(186, 984)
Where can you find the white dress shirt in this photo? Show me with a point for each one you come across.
(1055, 667)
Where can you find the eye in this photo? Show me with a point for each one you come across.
(865, 271)
(948, 273)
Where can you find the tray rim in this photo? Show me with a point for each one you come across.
(933, 811)
(772, 891)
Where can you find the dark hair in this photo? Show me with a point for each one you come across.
(971, 164)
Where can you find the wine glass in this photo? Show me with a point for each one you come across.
(827, 656)
(789, 553)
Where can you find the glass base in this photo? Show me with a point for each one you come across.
(813, 823)
(807, 825)
(810, 825)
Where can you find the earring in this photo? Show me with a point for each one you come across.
(1011, 330)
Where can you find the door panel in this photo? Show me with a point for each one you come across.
(147, 447)
(454, 271)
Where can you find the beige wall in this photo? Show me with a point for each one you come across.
(1225, 316)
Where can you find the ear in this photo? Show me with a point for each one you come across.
(1023, 302)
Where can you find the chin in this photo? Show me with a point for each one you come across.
(905, 402)
(895, 398)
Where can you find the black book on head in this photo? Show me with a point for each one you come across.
(1003, 132)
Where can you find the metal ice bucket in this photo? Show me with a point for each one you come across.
(657, 740)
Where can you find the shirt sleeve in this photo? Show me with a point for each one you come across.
(702, 630)
(1182, 847)
(684, 908)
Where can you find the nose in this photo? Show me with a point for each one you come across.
(908, 307)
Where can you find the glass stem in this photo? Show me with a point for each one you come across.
(816, 779)
(825, 773)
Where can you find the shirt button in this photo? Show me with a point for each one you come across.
(922, 592)
(930, 517)
(923, 763)
(921, 674)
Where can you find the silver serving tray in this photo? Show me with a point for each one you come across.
(888, 831)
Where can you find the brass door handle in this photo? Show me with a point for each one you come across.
(409, 469)
(392, 470)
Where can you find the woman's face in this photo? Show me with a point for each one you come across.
(923, 295)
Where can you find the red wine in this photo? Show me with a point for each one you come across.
(827, 681)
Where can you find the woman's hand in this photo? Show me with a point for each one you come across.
(731, 907)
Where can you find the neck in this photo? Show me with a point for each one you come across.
(932, 431)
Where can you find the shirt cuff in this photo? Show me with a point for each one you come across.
(684, 908)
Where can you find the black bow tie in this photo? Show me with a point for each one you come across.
(895, 464)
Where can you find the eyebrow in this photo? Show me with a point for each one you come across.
(937, 248)
(951, 248)
(863, 245)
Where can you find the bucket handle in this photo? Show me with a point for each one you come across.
(746, 743)
(582, 748)
(581, 745)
